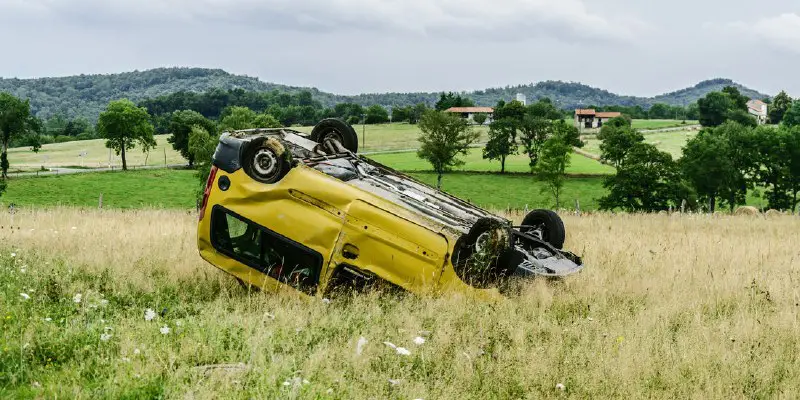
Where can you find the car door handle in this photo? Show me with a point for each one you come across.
(350, 252)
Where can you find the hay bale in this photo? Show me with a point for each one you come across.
(773, 213)
(747, 210)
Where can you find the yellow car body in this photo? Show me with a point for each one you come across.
(309, 227)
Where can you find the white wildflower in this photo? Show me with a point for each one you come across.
(105, 337)
(362, 341)
(164, 330)
(23, 269)
(77, 298)
(326, 301)
(136, 351)
(149, 314)
(178, 323)
(419, 340)
(270, 316)
(590, 319)
(403, 351)
(390, 344)
(48, 319)
(108, 328)
(37, 384)
(13, 255)
(103, 302)
(25, 296)
(560, 386)
(395, 382)
(74, 227)
(126, 359)
(329, 391)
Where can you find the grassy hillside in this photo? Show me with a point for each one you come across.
(706, 308)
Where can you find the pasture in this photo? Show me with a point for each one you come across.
(692, 306)
(176, 189)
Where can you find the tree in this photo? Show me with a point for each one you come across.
(181, 124)
(780, 104)
(236, 118)
(376, 114)
(263, 120)
(552, 166)
(124, 125)
(502, 141)
(401, 114)
(714, 108)
(792, 116)
(718, 107)
(444, 137)
(618, 137)
(707, 166)
(15, 122)
(417, 112)
(201, 145)
(449, 100)
(480, 118)
(647, 180)
(792, 145)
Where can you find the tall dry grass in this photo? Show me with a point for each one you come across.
(689, 306)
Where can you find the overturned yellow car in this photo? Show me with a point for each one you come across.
(284, 210)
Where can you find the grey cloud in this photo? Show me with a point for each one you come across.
(780, 32)
(568, 20)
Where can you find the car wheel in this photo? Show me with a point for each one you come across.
(333, 128)
(481, 256)
(546, 225)
(267, 161)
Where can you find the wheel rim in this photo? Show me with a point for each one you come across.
(265, 163)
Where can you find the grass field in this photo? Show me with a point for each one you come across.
(671, 142)
(475, 162)
(68, 154)
(177, 189)
(667, 307)
(132, 189)
(660, 123)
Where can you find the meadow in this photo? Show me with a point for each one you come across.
(177, 189)
(661, 123)
(118, 305)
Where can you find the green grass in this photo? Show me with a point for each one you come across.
(671, 142)
(660, 123)
(474, 162)
(132, 189)
(515, 190)
(97, 155)
(399, 136)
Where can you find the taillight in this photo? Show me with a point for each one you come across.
(207, 191)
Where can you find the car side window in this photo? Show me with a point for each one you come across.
(258, 247)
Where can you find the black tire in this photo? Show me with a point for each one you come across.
(266, 161)
(338, 129)
(482, 271)
(552, 226)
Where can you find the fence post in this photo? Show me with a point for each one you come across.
(578, 206)
(100, 201)
(683, 206)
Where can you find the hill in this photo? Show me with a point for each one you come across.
(87, 95)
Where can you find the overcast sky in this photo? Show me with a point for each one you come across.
(353, 46)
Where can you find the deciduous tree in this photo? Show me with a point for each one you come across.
(792, 116)
(181, 124)
(124, 125)
(16, 121)
(552, 166)
(444, 138)
(780, 104)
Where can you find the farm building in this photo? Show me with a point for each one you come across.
(469, 112)
(591, 119)
(758, 109)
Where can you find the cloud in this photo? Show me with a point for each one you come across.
(567, 20)
(782, 32)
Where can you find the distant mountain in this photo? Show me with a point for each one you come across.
(87, 95)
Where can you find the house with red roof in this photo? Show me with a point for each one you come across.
(592, 119)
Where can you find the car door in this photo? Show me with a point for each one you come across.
(394, 248)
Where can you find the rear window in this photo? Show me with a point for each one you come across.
(264, 250)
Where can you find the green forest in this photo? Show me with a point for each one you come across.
(85, 96)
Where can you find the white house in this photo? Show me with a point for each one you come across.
(759, 110)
